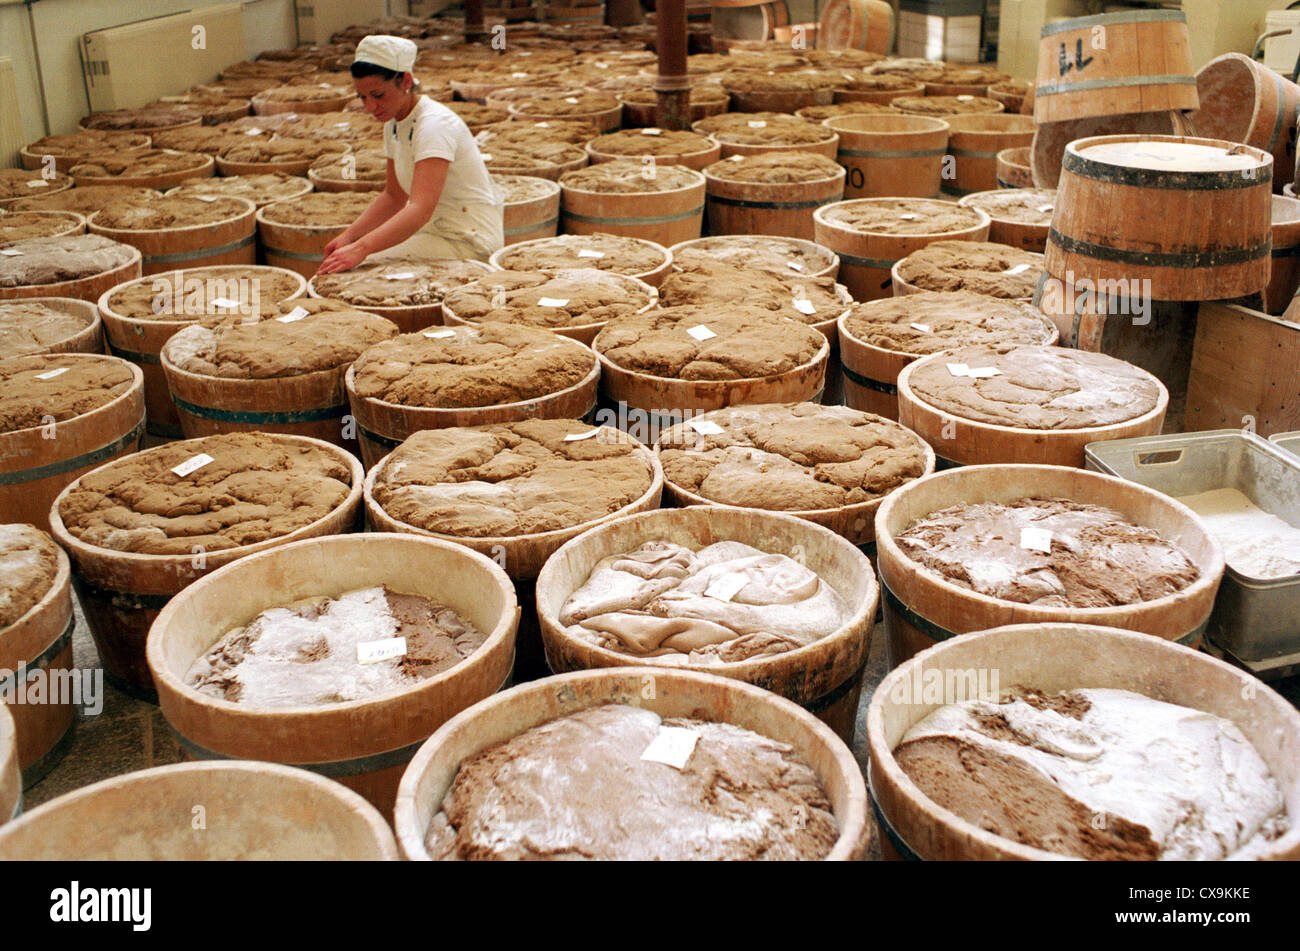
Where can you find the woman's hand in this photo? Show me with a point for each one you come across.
(343, 259)
(338, 241)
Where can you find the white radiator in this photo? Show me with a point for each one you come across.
(133, 64)
(11, 119)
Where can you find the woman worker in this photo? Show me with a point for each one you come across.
(438, 201)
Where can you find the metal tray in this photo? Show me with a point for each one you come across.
(1256, 621)
(1288, 441)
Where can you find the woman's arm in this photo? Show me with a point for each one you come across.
(386, 204)
(427, 181)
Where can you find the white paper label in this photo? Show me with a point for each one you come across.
(736, 158)
(706, 427)
(980, 373)
(726, 587)
(571, 100)
(757, 123)
(298, 313)
(224, 302)
(542, 125)
(700, 332)
(518, 75)
(1018, 269)
(794, 265)
(907, 217)
(11, 252)
(372, 652)
(38, 183)
(252, 132)
(652, 130)
(804, 306)
(965, 98)
(53, 373)
(924, 328)
(589, 253)
(1046, 207)
(1036, 539)
(439, 334)
(323, 85)
(602, 65)
(672, 746)
(208, 198)
(400, 276)
(958, 369)
(576, 437)
(192, 464)
(552, 301)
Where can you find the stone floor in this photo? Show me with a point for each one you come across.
(129, 734)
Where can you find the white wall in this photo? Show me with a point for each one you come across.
(268, 24)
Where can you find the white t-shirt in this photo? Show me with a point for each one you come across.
(470, 206)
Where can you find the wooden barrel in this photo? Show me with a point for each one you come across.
(855, 522)
(828, 147)
(881, 96)
(534, 217)
(38, 645)
(249, 811)
(122, 593)
(654, 277)
(1245, 101)
(866, 258)
(697, 161)
(38, 462)
(90, 339)
(824, 677)
(1050, 138)
(188, 246)
(580, 16)
(382, 426)
(1010, 94)
(605, 119)
(856, 24)
(779, 100)
(60, 224)
(263, 105)
(298, 248)
(1204, 231)
(34, 185)
(11, 781)
(647, 113)
(664, 217)
(83, 288)
(748, 23)
(32, 156)
(974, 144)
(823, 262)
(1054, 657)
(1012, 169)
(203, 167)
(962, 441)
(1013, 231)
(522, 556)
(871, 373)
(1135, 61)
(141, 340)
(890, 155)
(306, 404)
(1284, 273)
(552, 170)
(676, 693)
(364, 744)
(922, 608)
(409, 317)
(776, 208)
(651, 404)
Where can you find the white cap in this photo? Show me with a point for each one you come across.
(391, 52)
